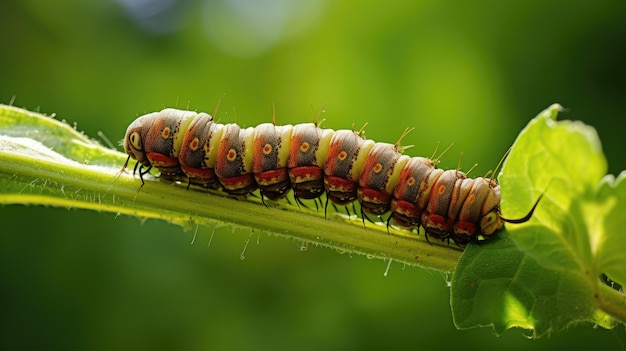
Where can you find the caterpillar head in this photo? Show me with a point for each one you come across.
(491, 222)
(133, 141)
(155, 139)
(490, 219)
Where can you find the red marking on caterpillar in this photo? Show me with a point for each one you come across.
(312, 161)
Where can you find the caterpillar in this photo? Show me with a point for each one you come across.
(313, 161)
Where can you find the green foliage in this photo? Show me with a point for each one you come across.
(546, 274)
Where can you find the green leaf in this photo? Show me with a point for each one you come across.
(498, 285)
(545, 274)
(611, 246)
(563, 161)
(53, 138)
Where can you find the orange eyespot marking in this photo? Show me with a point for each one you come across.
(410, 181)
(193, 145)
(304, 147)
(165, 133)
(378, 167)
(342, 155)
(267, 148)
(231, 155)
(441, 189)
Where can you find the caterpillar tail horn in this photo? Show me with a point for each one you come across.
(527, 217)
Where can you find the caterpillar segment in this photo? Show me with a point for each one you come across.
(345, 161)
(269, 159)
(412, 193)
(233, 165)
(312, 161)
(307, 155)
(379, 177)
(198, 153)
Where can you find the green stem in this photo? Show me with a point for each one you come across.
(612, 302)
(46, 162)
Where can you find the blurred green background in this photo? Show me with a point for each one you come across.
(468, 73)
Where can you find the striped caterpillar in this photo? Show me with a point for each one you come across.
(312, 161)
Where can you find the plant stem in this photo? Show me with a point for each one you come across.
(612, 302)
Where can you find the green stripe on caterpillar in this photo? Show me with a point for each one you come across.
(313, 161)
